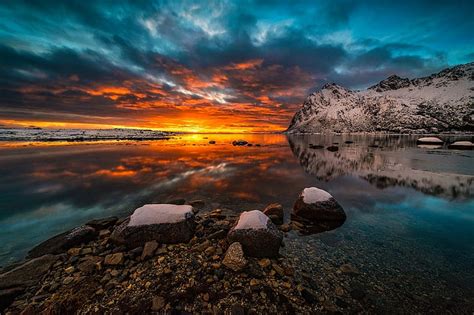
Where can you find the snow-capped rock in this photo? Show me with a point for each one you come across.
(429, 140)
(257, 234)
(462, 145)
(164, 223)
(315, 204)
(439, 102)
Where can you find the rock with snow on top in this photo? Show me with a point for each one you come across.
(257, 234)
(164, 223)
(429, 140)
(461, 145)
(315, 204)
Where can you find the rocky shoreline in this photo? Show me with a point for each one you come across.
(230, 264)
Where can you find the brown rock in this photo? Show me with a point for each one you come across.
(275, 212)
(149, 249)
(28, 273)
(114, 259)
(158, 303)
(234, 257)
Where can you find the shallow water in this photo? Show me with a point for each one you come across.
(410, 209)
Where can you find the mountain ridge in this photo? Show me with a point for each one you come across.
(440, 102)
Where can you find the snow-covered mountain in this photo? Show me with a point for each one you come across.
(440, 102)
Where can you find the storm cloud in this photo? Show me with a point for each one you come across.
(214, 66)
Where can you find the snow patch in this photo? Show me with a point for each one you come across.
(313, 195)
(160, 213)
(254, 220)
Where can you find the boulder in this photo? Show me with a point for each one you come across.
(7, 296)
(64, 241)
(257, 234)
(275, 212)
(164, 223)
(234, 257)
(28, 273)
(315, 204)
(429, 140)
(461, 145)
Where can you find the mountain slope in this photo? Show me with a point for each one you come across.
(440, 102)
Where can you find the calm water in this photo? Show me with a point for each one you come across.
(404, 202)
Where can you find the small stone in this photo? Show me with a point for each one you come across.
(275, 212)
(68, 280)
(278, 269)
(264, 263)
(348, 269)
(285, 227)
(254, 282)
(69, 269)
(234, 257)
(158, 303)
(210, 250)
(149, 249)
(205, 297)
(114, 259)
(86, 251)
(74, 251)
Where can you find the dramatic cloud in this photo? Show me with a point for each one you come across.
(215, 66)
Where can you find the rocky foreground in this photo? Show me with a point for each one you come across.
(168, 258)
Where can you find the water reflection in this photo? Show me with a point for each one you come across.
(388, 161)
(49, 188)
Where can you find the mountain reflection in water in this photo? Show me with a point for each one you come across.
(47, 188)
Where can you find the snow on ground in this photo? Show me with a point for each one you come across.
(36, 134)
(313, 195)
(160, 213)
(254, 220)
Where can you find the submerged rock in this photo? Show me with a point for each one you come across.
(429, 140)
(315, 204)
(257, 234)
(164, 223)
(332, 148)
(234, 257)
(64, 241)
(462, 145)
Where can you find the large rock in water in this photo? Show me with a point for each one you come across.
(315, 204)
(429, 140)
(257, 234)
(164, 223)
(64, 241)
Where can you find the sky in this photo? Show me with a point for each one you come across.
(210, 66)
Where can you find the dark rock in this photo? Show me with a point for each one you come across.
(332, 148)
(164, 223)
(318, 205)
(309, 296)
(28, 273)
(8, 295)
(149, 249)
(237, 309)
(239, 142)
(461, 145)
(176, 201)
(212, 142)
(348, 142)
(217, 235)
(316, 146)
(257, 234)
(64, 241)
(275, 212)
(101, 224)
